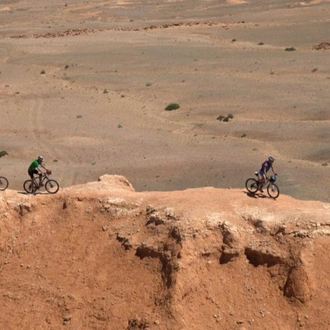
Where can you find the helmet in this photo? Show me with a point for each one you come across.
(271, 159)
(40, 159)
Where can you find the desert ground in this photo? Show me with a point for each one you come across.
(86, 84)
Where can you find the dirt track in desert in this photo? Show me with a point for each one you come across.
(85, 84)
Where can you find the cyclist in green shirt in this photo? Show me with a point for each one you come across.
(34, 168)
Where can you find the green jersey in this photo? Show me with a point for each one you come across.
(34, 165)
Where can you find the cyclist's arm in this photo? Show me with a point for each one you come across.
(39, 170)
(274, 170)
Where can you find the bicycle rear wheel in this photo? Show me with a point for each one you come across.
(28, 186)
(251, 185)
(52, 186)
(273, 190)
(3, 183)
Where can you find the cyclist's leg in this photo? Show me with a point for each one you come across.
(261, 180)
(40, 179)
(35, 185)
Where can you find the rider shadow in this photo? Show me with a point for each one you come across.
(257, 195)
(28, 193)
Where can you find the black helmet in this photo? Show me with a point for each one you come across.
(271, 159)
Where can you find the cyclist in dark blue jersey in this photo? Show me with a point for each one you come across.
(265, 167)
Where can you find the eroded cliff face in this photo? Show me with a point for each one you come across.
(102, 256)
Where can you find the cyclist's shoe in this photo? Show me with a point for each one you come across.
(261, 190)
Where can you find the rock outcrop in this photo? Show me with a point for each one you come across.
(103, 256)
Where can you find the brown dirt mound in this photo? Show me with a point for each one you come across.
(102, 256)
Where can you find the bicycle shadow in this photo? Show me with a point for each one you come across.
(258, 195)
(35, 194)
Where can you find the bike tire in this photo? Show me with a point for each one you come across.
(273, 191)
(28, 186)
(3, 183)
(52, 186)
(251, 185)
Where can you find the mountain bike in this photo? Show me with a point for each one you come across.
(253, 185)
(50, 185)
(3, 183)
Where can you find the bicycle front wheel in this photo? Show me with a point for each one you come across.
(273, 190)
(28, 187)
(52, 186)
(251, 185)
(3, 183)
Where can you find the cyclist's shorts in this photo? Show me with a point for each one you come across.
(32, 173)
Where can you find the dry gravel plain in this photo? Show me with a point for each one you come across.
(86, 83)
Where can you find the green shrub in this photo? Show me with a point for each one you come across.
(3, 153)
(225, 118)
(290, 49)
(172, 106)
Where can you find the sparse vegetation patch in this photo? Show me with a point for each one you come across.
(225, 118)
(3, 153)
(172, 106)
(322, 46)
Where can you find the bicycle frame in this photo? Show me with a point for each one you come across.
(253, 185)
(36, 181)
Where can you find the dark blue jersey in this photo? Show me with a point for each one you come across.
(265, 167)
(267, 164)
